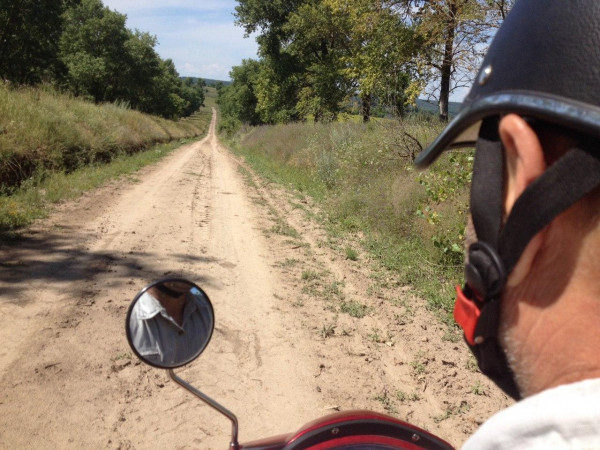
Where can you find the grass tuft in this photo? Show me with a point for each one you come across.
(354, 309)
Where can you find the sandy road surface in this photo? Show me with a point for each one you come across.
(283, 352)
(67, 379)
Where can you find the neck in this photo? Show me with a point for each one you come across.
(560, 347)
(174, 309)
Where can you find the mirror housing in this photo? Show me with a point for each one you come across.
(169, 323)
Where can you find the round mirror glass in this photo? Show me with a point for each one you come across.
(169, 323)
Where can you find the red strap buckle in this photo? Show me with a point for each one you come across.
(466, 314)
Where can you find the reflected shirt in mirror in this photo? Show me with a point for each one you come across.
(158, 338)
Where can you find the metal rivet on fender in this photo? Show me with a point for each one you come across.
(415, 437)
(335, 431)
(485, 75)
(479, 340)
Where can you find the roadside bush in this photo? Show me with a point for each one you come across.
(229, 126)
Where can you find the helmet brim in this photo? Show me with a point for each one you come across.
(464, 129)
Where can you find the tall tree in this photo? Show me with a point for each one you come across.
(498, 10)
(269, 20)
(238, 100)
(278, 86)
(166, 91)
(455, 34)
(29, 35)
(379, 53)
(192, 92)
(318, 40)
(107, 62)
(92, 47)
(140, 65)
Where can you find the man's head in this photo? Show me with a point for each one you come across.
(554, 286)
(534, 115)
(172, 296)
(173, 288)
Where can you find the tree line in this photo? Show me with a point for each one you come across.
(315, 55)
(83, 47)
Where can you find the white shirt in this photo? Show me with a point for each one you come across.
(160, 340)
(564, 417)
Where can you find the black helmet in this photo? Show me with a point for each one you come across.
(544, 63)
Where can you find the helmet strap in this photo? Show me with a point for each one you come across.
(491, 260)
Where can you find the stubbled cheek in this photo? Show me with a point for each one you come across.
(514, 355)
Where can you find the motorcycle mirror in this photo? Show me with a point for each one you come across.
(169, 323)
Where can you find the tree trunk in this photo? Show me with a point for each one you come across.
(399, 107)
(446, 69)
(365, 108)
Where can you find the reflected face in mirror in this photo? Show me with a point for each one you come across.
(172, 296)
(170, 323)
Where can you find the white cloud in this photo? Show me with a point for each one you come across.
(145, 6)
(212, 71)
(199, 36)
(214, 47)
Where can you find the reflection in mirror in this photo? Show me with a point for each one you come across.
(169, 323)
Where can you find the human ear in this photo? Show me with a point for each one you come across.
(524, 157)
(524, 162)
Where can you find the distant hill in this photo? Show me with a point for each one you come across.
(424, 105)
(210, 82)
(213, 83)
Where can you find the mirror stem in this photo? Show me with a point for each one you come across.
(234, 445)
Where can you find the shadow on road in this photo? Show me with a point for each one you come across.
(52, 258)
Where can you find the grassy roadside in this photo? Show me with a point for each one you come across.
(410, 222)
(54, 147)
(34, 199)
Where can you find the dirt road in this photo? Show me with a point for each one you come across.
(300, 331)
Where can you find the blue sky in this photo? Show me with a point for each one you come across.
(198, 35)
